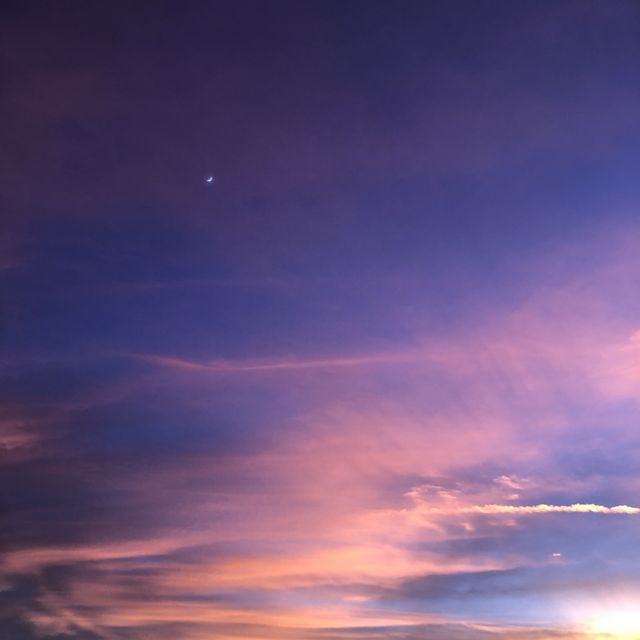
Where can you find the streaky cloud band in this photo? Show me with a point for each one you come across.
(621, 509)
(221, 366)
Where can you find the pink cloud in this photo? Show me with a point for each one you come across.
(337, 499)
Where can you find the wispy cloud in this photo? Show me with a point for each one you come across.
(256, 366)
(622, 509)
(315, 524)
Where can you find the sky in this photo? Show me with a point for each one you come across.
(320, 320)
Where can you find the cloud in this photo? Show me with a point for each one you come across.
(234, 504)
(257, 366)
(552, 508)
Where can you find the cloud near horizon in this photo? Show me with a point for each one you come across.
(356, 494)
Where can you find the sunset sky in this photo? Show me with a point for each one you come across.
(320, 320)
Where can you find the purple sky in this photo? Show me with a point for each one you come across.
(379, 379)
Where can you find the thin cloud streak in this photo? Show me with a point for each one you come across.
(251, 366)
(622, 509)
